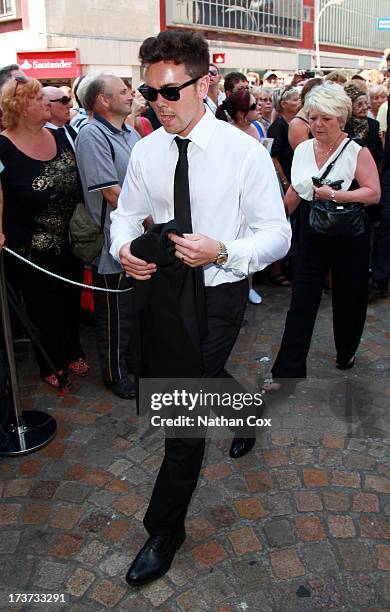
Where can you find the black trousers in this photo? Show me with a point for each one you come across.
(381, 253)
(52, 305)
(183, 458)
(114, 321)
(348, 260)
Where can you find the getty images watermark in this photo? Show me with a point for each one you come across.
(200, 407)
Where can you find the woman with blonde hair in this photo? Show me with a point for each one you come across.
(41, 189)
(377, 95)
(330, 167)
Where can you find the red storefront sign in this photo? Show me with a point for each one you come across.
(49, 64)
(219, 58)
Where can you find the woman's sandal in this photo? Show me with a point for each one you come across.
(346, 366)
(280, 280)
(270, 386)
(79, 367)
(280, 388)
(52, 379)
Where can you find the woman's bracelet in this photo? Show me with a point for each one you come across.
(333, 195)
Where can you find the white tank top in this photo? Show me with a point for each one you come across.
(304, 166)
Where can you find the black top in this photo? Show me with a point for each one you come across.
(372, 141)
(281, 148)
(386, 156)
(39, 197)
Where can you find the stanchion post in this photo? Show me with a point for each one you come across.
(9, 346)
(31, 429)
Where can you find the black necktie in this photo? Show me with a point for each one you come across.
(182, 205)
(181, 195)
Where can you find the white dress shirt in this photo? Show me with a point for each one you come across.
(234, 192)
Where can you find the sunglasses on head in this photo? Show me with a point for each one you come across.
(64, 100)
(171, 93)
(19, 79)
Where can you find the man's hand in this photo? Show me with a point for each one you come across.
(137, 268)
(195, 250)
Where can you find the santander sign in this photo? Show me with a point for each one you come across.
(48, 64)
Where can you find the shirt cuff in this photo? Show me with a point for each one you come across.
(239, 256)
(116, 246)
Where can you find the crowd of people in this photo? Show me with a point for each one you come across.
(194, 189)
(75, 146)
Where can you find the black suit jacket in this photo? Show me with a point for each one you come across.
(170, 309)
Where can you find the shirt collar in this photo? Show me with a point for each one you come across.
(203, 131)
(109, 125)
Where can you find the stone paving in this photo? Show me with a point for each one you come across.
(302, 523)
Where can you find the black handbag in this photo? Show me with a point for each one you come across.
(334, 219)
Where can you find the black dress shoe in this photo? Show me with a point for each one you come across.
(124, 388)
(155, 558)
(241, 446)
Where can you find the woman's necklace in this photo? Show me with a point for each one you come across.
(325, 154)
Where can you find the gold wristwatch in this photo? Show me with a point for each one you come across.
(222, 255)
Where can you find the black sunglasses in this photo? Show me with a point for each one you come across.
(169, 93)
(253, 106)
(19, 79)
(64, 100)
(213, 73)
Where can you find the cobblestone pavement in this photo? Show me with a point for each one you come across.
(301, 523)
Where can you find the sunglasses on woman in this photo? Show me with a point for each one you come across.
(19, 79)
(172, 94)
(253, 106)
(64, 100)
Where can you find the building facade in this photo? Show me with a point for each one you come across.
(280, 34)
(57, 40)
(62, 39)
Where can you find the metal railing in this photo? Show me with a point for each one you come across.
(269, 17)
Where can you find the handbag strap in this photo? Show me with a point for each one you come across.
(104, 203)
(332, 163)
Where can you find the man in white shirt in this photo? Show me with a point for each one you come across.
(237, 229)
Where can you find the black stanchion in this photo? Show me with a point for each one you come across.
(29, 429)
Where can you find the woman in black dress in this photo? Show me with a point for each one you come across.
(287, 104)
(41, 189)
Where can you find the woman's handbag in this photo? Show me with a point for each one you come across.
(334, 219)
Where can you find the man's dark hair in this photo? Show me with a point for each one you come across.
(96, 87)
(232, 78)
(6, 73)
(188, 48)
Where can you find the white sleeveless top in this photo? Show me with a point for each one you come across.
(304, 166)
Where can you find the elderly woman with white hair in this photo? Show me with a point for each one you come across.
(334, 171)
(377, 95)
